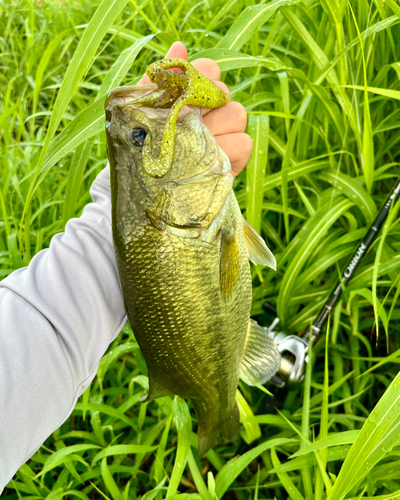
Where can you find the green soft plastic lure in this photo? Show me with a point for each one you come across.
(183, 248)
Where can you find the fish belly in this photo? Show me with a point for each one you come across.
(192, 335)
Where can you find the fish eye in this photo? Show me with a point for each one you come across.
(137, 136)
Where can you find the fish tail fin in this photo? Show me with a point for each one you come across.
(228, 428)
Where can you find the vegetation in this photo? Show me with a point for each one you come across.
(320, 80)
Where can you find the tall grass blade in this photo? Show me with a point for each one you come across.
(352, 189)
(109, 481)
(285, 479)
(57, 457)
(222, 11)
(258, 129)
(75, 178)
(334, 439)
(249, 21)
(323, 218)
(305, 425)
(45, 60)
(198, 479)
(368, 143)
(122, 449)
(251, 430)
(159, 471)
(231, 59)
(122, 65)
(184, 426)
(90, 121)
(378, 308)
(234, 467)
(98, 27)
(378, 435)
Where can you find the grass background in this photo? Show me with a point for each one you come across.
(320, 80)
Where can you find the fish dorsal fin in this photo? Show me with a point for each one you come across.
(259, 253)
(229, 262)
(261, 357)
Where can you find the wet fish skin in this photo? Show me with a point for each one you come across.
(183, 260)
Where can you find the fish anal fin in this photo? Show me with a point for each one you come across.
(228, 429)
(156, 390)
(261, 357)
(259, 253)
(229, 262)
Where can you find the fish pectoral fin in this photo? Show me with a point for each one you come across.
(259, 253)
(261, 357)
(228, 429)
(229, 265)
(156, 390)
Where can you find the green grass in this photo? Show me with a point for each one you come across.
(320, 81)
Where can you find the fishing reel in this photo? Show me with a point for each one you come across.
(293, 350)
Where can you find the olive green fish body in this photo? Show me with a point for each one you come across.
(191, 333)
(183, 260)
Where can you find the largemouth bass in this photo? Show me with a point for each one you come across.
(183, 250)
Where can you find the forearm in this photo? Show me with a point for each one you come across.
(57, 318)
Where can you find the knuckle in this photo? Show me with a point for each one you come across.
(208, 68)
(240, 113)
(247, 144)
(222, 86)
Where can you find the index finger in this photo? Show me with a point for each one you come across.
(208, 68)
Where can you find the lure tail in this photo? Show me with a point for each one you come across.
(228, 428)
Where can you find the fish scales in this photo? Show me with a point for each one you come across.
(187, 330)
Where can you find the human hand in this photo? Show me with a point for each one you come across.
(228, 123)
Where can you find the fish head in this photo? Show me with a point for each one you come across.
(131, 120)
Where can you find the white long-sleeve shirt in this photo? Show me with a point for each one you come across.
(57, 318)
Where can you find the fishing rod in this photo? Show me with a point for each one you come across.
(294, 348)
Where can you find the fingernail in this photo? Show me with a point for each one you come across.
(170, 49)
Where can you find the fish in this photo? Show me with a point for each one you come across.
(183, 249)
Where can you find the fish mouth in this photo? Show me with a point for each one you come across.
(142, 95)
(145, 96)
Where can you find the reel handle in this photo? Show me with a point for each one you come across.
(293, 350)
